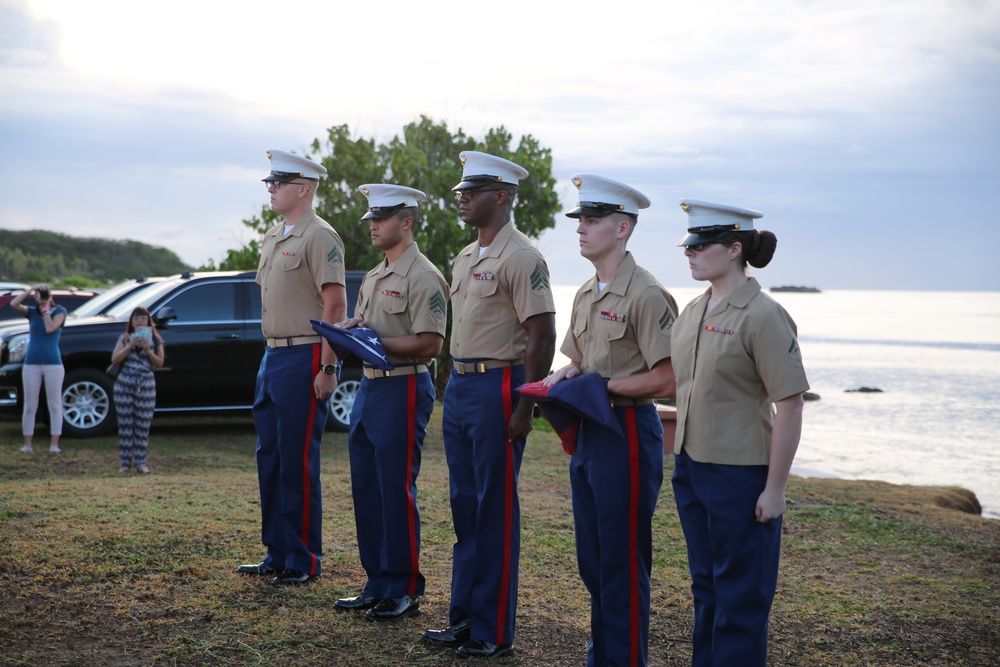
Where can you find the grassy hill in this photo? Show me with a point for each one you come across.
(36, 256)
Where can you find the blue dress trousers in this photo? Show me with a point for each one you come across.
(388, 423)
(615, 482)
(290, 421)
(483, 467)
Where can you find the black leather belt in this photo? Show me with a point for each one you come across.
(376, 373)
(622, 402)
(470, 367)
(292, 341)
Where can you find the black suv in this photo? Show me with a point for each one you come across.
(210, 323)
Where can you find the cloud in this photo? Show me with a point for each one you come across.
(859, 129)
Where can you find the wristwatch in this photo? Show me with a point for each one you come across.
(329, 369)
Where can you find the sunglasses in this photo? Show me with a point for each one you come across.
(461, 195)
(701, 246)
(276, 185)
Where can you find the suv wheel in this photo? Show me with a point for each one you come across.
(342, 400)
(88, 410)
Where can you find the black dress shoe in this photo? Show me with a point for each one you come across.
(452, 635)
(291, 577)
(476, 648)
(259, 570)
(392, 608)
(358, 603)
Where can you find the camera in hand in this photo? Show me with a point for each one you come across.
(43, 293)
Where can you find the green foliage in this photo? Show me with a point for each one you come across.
(424, 156)
(76, 280)
(37, 256)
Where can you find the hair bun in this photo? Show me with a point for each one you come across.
(764, 250)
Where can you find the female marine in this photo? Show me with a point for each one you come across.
(740, 382)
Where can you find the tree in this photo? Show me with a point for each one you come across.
(424, 156)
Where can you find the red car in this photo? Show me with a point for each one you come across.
(67, 298)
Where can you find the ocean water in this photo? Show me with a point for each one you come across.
(936, 358)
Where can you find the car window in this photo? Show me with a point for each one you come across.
(145, 298)
(255, 302)
(205, 302)
(8, 313)
(103, 301)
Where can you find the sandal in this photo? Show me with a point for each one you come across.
(55, 450)
(26, 450)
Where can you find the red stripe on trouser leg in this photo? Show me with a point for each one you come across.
(411, 502)
(306, 488)
(633, 541)
(508, 507)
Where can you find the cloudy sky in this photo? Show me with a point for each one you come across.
(867, 132)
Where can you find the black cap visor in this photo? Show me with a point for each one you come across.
(284, 177)
(698, 235)
(382, 212)
(479, 181)
(596, 209)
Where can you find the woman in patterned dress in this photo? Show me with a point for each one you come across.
(139, 352)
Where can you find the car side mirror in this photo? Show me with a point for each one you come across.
(164, 315)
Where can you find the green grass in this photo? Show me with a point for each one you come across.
(98, 569)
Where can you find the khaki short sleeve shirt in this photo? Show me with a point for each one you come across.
(292, 272)
(623, 330)
(492, 295)
(410, 298)
(731, 365)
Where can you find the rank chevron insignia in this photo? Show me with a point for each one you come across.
(793, 347)
(667, 319)
(539, 279)
(438, 306)
(334, 256)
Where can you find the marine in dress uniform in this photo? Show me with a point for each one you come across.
(405, 300)
(503, 334)
(620, 328)
(739, 413)
(301, 274)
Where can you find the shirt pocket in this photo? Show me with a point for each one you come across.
(484, 307)
(287, 272)
(621, 349)
(482, 289)
(393, 305)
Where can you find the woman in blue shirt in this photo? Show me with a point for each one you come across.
(43, 362)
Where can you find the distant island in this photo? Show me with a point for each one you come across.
(795, 288)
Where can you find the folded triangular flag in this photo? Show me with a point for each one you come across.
(566, 403)
(359, 341)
